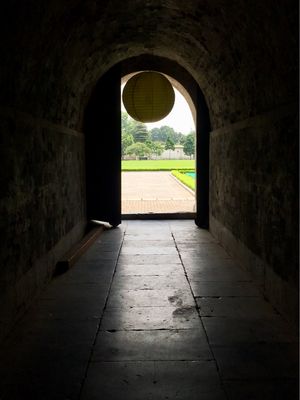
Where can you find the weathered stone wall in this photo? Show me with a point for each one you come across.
(254, 200)
(41, 205)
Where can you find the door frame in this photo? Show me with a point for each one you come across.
(104, 194)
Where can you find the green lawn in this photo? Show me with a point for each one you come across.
(185, 179)
(157, 165)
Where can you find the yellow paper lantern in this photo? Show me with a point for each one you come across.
(148, 96)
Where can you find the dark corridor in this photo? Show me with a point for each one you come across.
(239, 62)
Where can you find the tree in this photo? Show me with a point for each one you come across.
(158, 148)
(125, 120)
(180, 137)
(168, 132)
(157, 135)
(169, 145)
(138, 149)
(140, 133)
(189, 145)
(128, 124)
(127, 140)
(149, 143)
(182, 140)
(161, 134)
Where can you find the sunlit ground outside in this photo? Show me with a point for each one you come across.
(158, 166)
(155, 192)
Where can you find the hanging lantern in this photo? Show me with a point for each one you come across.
(148, 96)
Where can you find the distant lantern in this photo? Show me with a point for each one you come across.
(148, 96)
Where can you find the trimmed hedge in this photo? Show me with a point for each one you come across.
(185, 179)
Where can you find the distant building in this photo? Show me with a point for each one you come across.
(176, 154)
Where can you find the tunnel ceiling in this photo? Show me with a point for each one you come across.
(242, 54)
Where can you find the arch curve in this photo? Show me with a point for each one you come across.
(103, 192)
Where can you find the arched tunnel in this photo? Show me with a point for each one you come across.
(61, 65)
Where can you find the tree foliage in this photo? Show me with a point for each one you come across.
(156, 147)
(155, 141)
(189, 144)
(170, 145)
(138, 149)
(140, 133)
(161, 134)
(128, 124)
(127, 140)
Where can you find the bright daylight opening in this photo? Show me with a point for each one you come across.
(158, 160)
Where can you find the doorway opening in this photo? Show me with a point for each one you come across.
(158, 160)
(102, 127)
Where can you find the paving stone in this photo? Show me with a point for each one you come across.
(149, 206)
(149, 269)
(140, 226)
(46, 359)
(43, 369)
(224, 289)
(47, 356)
(149, 236)
(46, 381)
(101, 256)
(149, 250)
(93, 276)
(79, 309)
(230, 331)
(93, 265)
(182, 224)
(106, 249)
(186, 242)
(152, 345)
(88, 273)
(187, 255)
(207, 274)
(257, 361)
(267, 390)
(132, 243)
(153, 380)
(213, 264)
(41, 332)
(150, 282)
(145, 259)
(185, 246)
(155, 191)
(187, 234)
(70, 290)
(236, 307)
(150, 298)
(203, 248)
(184, 317)
(198, 263)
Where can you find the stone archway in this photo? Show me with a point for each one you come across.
(103, 172)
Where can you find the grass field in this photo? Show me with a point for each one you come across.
(157, 165)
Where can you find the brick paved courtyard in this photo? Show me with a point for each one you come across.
(154, 192)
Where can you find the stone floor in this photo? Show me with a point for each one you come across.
(154, 310)
(155, 192)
